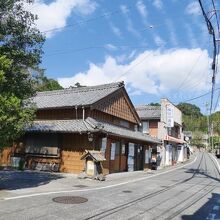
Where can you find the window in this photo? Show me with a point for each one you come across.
(124, 123)
(145, 127)
(42, 144)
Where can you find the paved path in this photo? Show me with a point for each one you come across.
(190, 192)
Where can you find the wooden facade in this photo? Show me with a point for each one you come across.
(153, 128)
(118, 105)
(115, 109)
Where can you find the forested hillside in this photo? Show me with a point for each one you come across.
(195, 121)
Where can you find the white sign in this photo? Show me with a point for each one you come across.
(104, 143)
(131, 149)
(170, 120)
(130, 157)
(113, 151)
(130, 160)
(123, 149)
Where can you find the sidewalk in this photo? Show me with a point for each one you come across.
(18, 183)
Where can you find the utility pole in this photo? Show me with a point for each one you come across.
(212, 129)
(208, 124)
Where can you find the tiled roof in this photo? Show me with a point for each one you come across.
(73, 126)
(148, 111)
(97, 155)
(122, 132)
(89, 125)
(80, 96)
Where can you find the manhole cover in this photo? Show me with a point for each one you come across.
(127, 191)
(70, 199)
(81, 186)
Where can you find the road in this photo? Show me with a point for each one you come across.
(190, 192)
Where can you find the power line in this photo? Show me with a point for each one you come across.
(216, 104)
(90, 48)
(197, 97)
(105, 15)
(211, 32)
(141, 61)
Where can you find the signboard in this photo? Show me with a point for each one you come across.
(113, 151)
(170, 112)
(130, 157)
(123, 149)
(90, 169)
(104, 143)
(131, 149)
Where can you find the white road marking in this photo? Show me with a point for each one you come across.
(216, 208)
(98, 188)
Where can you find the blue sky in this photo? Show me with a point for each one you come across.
(160, 48)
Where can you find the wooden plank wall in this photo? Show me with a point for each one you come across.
(5, 156)
(106, 164)
(117, 105)
(73, 147)
(61, 114)
(153, 128)
(7, 152)
(110, 119)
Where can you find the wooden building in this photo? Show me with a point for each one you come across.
(70, 121)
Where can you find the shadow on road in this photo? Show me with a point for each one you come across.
(201, 172)
(209, 210)
(11, 180)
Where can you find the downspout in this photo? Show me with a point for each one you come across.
(76, 112)
(83, 113)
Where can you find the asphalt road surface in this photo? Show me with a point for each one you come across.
(191, 192)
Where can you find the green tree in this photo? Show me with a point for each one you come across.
(20, 51)
(190, 109)
(198, 139)
(42, 83)
(154, 104)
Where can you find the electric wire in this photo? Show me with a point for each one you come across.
(104, 15)
(130, 68)
(217, 100)
(197, 97)
(211, 32)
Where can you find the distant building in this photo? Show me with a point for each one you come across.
(165, 123)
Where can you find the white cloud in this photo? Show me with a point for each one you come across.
(193, 8)
(159, 41)
(152, 72)
(172, 32)
(126, 57)
(115, 29)
(111, 47)
(141, 8)
(130, 26)
(158, 4)
(124, 9)
(53, 16)
(191, 36)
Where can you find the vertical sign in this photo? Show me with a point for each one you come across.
(103, 147)
(123, 149)
(130, 157)
(113, 151)
(170, 120)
